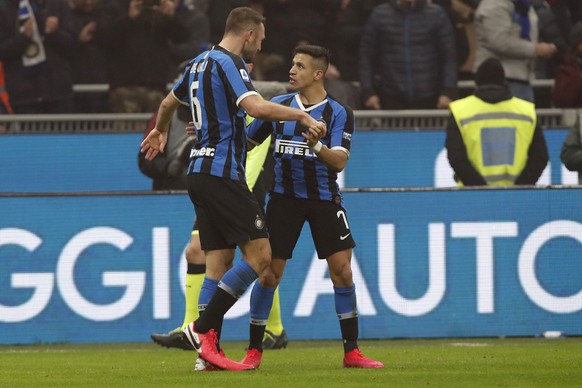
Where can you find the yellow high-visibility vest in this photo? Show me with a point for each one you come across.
(255, 158)
(497, 136)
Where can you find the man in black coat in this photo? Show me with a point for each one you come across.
(34, 49)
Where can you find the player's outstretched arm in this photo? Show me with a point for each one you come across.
(270, 111)
(156, 140)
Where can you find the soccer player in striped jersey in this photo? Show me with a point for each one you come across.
(259, 170)
(217, 87)
(306, 190)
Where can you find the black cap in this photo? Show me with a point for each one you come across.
(490, 72)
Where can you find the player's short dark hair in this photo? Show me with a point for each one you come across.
(242, 19)
(319, 54)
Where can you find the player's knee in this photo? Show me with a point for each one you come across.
(263, 260)
(269, 279)
(258, 254)
(195, 255)
(342, 276)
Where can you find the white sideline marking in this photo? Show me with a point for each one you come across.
(469, 344)
(16, 351)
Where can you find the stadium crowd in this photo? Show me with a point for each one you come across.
(386, 54)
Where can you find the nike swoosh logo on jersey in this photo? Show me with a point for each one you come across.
(344, 237)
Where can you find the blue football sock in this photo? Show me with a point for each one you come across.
(209, 287)
(238, 279)
(261, 303)
(345, 302)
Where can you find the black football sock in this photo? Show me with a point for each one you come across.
(256, 333)
(213, 315)
(349, 328)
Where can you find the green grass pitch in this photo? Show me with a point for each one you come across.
(515, 362)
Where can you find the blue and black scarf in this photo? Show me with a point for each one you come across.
(521, 16)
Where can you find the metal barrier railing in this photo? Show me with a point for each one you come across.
(75, 123)
(365, 120)
(438, 119)
(137, 123)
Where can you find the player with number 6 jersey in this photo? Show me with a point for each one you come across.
(217, 87)
(218, 151)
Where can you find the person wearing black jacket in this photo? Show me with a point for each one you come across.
(35, 49)
(137, 36)
(410, 46)
(494, 138)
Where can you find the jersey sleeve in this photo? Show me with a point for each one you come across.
(180, 89)
(343, 125)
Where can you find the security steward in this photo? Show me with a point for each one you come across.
(494, 138)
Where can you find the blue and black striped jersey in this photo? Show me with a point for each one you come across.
(213, 84)
(298, 171)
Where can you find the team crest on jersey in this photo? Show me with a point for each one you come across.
(259, 222)
(336, 199)
(245, 75)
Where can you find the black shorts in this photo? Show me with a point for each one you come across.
(259, 191)
(328, 223)
(227, 212)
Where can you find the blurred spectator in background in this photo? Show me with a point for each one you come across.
(4, 100)
(508, 30)
(263, 61)
(296, 22)
(494, 138)
(34, 45)
(193, 15)
(567, 13)
(344, 91)
(218, 11)
(410, 45)
(137, 36)
(567, 92)
(346, 33)
(461, 13)
(571, 153)
(549, 32)
(88, 59)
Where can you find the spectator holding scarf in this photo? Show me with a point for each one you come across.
(34, 48)
(508, 30)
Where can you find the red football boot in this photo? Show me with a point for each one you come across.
(355, 359)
